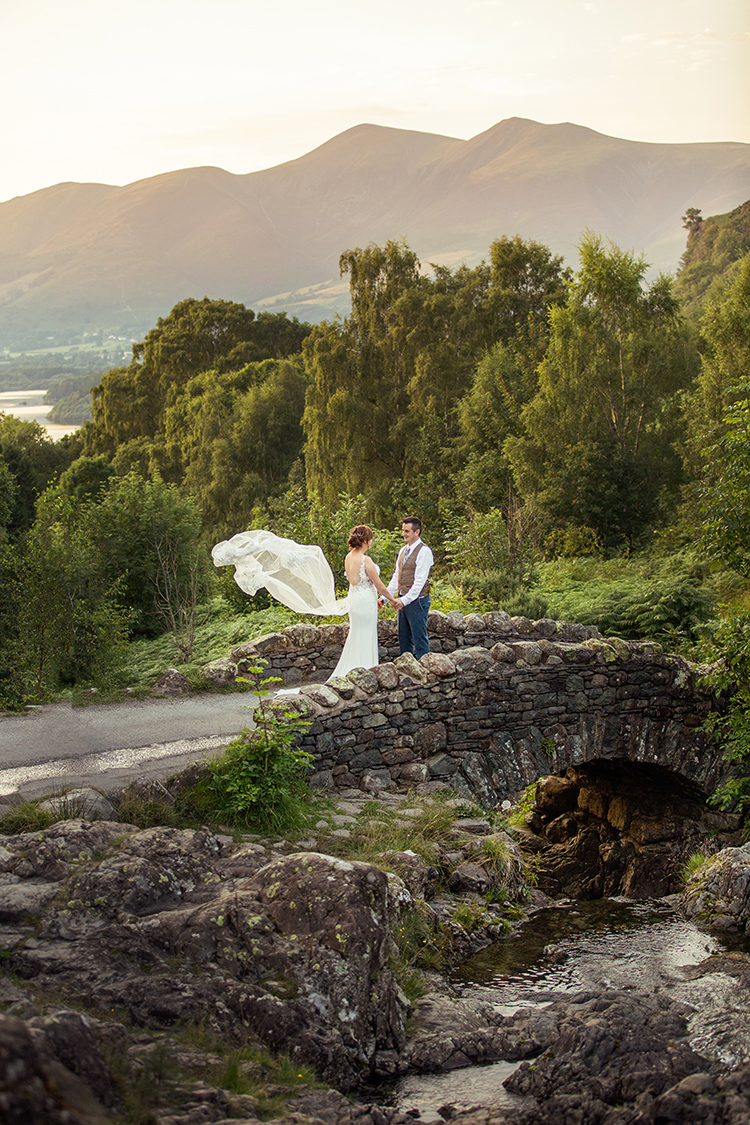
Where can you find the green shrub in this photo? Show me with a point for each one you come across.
(496, 589)
(479, 543)
(260, 781)
(573, 541)
(668, 600)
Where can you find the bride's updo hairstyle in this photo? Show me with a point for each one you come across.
(358, 536)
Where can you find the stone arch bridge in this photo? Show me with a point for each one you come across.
(498, 703)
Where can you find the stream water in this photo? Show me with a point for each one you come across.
(578, 946)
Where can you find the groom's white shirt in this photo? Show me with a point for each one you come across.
(425, 560)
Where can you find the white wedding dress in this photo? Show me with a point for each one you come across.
(361, 648)
(295, 574)
(298, 576)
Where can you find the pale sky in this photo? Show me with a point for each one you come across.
(116, 92)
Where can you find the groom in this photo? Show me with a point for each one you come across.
(411, 582)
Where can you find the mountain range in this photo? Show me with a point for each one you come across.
(78, 258)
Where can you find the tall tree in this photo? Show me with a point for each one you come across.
(198, 335)
(236, 437)
(617, 356)
(527, 280)
(34, 461)
(725, 363)
(356, 418)
(137, 527)
(71, 626)
(488, 414)
(382, 414)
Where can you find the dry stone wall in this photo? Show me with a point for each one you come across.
(496, 704)
(302, 653)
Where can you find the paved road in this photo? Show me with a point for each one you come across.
(60, 747)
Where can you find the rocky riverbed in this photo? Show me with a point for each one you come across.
(152, 975)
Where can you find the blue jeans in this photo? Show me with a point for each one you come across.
(412, 627)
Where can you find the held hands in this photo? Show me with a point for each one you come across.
(395, 602)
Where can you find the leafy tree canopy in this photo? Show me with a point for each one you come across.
(725, 365)
(382, 413)
(136, 527)
(235, 437)
(714, 245)
(34, 461)
(196, 336)
(605, 408)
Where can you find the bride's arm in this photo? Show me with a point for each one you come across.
(372, 573)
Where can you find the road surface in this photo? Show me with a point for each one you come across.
(57, 747)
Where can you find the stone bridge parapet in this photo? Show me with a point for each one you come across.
(490, 721)
(305, 652)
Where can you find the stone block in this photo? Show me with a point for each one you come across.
(387, 631)
(366, 760)
(545, 627)
(430, 738)
(409, 666)
(222, 672)
(474, 622)
(333, 634)
(303, 635)
(343, 686)
(469, 877)
(172, 682)
(474, 714)
(397, 756)
(321, 695)
(562, 828)
(442, 765)
(619, 813)
(502, 653)
(528, 651)
(373, 781)
(364, 679)
(387, 676)
(593, 801)
(439, 664)
(376, 720)
(438, 623)
(268, 643)
(292, 676)
(470, 659)
(414, 771)
(498, 621)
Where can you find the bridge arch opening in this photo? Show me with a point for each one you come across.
(607, 828)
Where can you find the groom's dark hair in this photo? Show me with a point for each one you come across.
(414, 521)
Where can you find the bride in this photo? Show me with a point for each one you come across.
(361, 648)
(298, 576)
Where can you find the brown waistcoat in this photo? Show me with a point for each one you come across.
(406, 571)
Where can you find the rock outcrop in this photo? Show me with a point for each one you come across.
(148, 932)
(172, 925)
(718, 893)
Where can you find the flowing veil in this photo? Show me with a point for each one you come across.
(295, 574)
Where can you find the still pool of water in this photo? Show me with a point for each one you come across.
(580, 946)
(611, 943)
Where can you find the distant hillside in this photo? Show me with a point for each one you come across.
(714, 245)
(77, 258)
